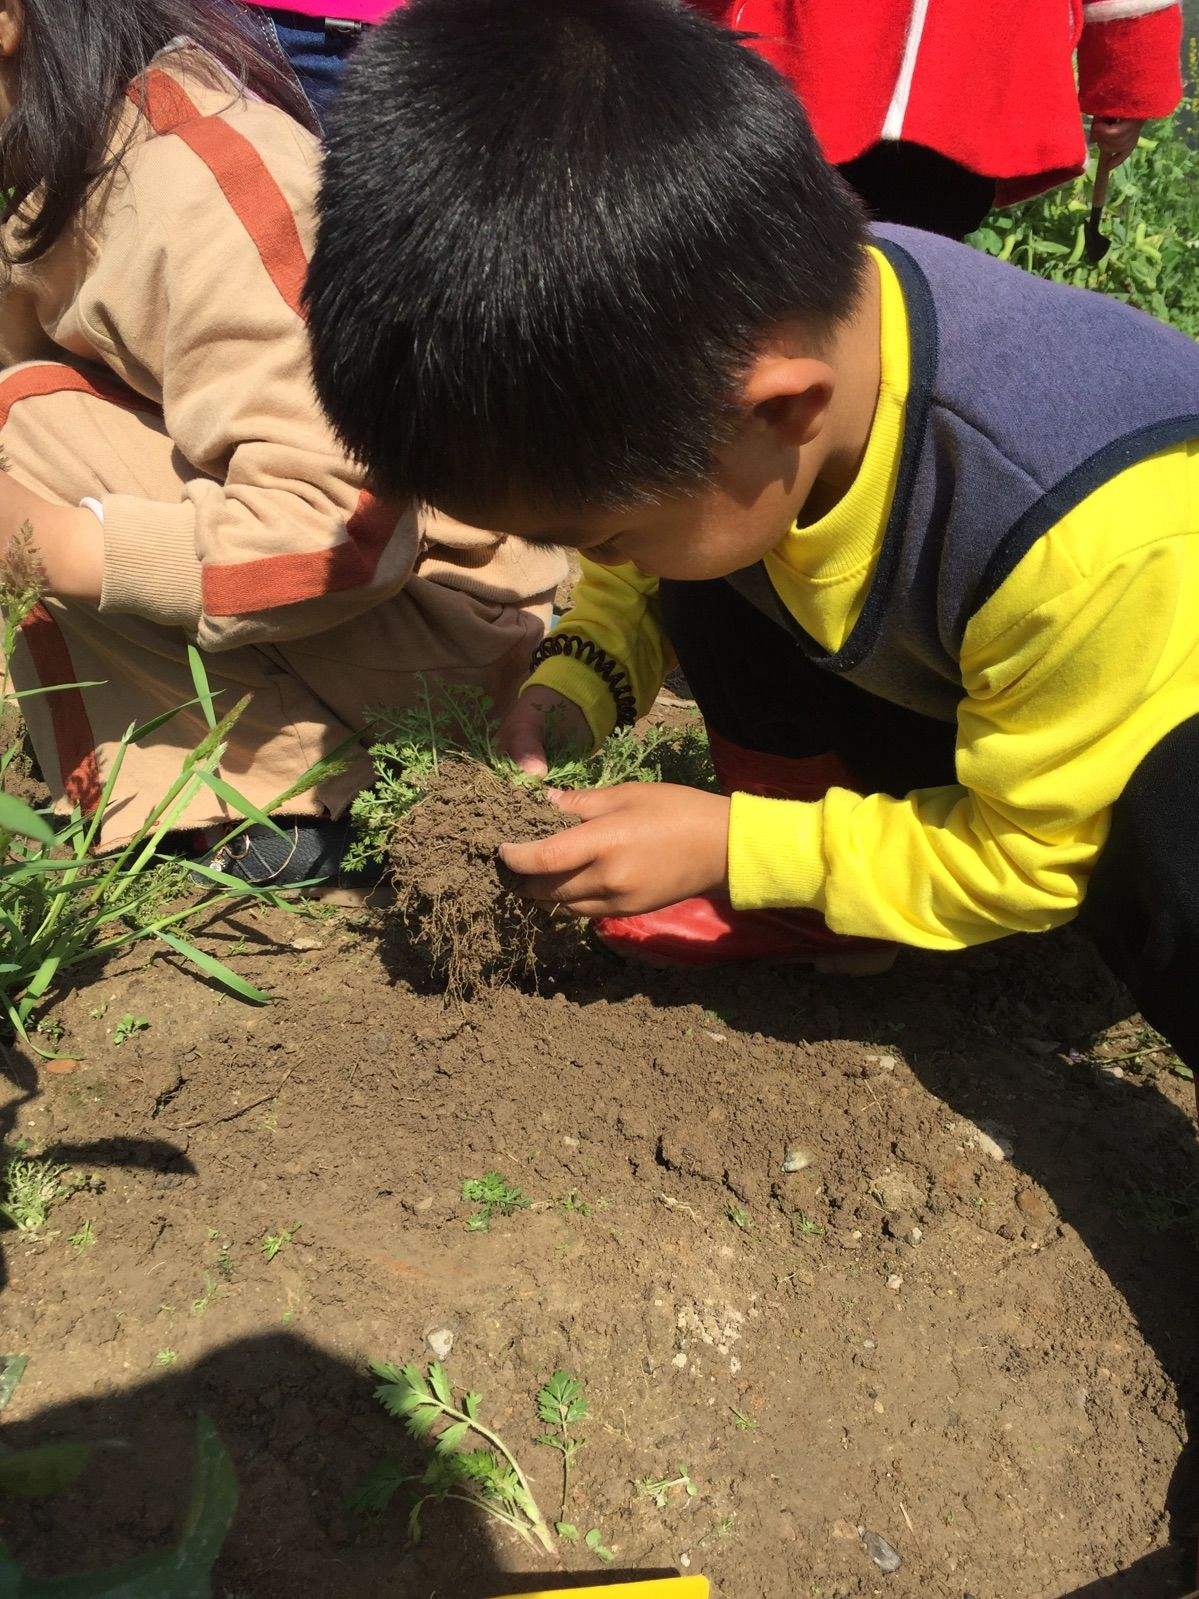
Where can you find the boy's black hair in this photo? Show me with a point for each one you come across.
(552, 234)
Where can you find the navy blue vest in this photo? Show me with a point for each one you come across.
(1025, 397)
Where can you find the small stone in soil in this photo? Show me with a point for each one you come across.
(880, 1551)
(796, 1159)
(894, 1282)
(441, 1342)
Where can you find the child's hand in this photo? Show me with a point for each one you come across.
(639, 846)
(69, 541)
(523, 730)
(1117, 137)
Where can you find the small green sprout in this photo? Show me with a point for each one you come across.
(744, 1423)
(274, 1242)
(595, 1542)
(740, 1218)
(166, 1357)
(84, 1238)
(495, 1196)
(659, 1488)
(128, 1026)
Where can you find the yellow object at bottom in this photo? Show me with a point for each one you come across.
(656, 1588)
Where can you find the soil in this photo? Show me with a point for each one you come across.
(965, 1323)
(456, 900)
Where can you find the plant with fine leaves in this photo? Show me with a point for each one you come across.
(470, 1462)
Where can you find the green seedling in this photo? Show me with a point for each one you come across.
(740, 1218)
(52, 1029)
(659, 1488)
(495, 1196)
(224, 1265)
(166, 1357)
(206, 1295)
(595, 1542)
(84, 1238)
(128, 1026)
(274, 1242)
(99, 1011)
(470, 1463)
(562, 1405)
(574, 1203)
(744, 1423)
(805, 1224)
(31, 1188)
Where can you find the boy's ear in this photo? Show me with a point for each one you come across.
(789, 394)
(11, 26)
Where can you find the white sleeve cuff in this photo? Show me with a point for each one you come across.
(94, 506)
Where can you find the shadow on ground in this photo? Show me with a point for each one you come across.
(302, 1431)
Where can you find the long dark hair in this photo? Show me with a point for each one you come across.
(76, 61)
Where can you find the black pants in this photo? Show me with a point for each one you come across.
(756, 688)
(910, 184)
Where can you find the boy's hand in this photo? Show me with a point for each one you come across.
(638, 847)
(522, 732)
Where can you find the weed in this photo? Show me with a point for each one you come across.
(410, 746)
(659, 1488)
(1156, 1210)
(224, 1265)
(274, 1242)
(206, 1295)
(744, 1423)
(470, 1463)
(561, 1404)
(166, 1357)
(128, 1026)
(84, 1238)
(98, 1011)
(740, 1218)
(61, 901)
(51, 1028)
(495, 1196)
(30, 1189)
(805, 1224)
(574, 1204)
(595, 1542)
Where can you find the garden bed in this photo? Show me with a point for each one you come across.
(962, 1322)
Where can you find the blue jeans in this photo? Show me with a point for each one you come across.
(316, 55)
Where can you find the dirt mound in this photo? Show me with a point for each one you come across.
(455, 898)
(22, 778)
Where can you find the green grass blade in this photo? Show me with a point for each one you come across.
(212, 967)
(17, 817)
(244, 807)
(200, 682)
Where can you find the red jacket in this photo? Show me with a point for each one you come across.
(989, 83)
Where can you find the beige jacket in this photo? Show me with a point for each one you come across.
(183, 277)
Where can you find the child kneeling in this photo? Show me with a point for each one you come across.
(163, 443)
(921, 529)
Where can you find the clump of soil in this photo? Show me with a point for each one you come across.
(456, 898)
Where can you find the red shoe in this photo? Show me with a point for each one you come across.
(709, 932)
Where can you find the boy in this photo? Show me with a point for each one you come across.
(920, 529)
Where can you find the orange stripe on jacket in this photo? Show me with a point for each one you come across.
(270, 581)
(275, 580)
(74, 740)
(242, 176)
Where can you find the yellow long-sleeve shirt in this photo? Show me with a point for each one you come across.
(1082, 660)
